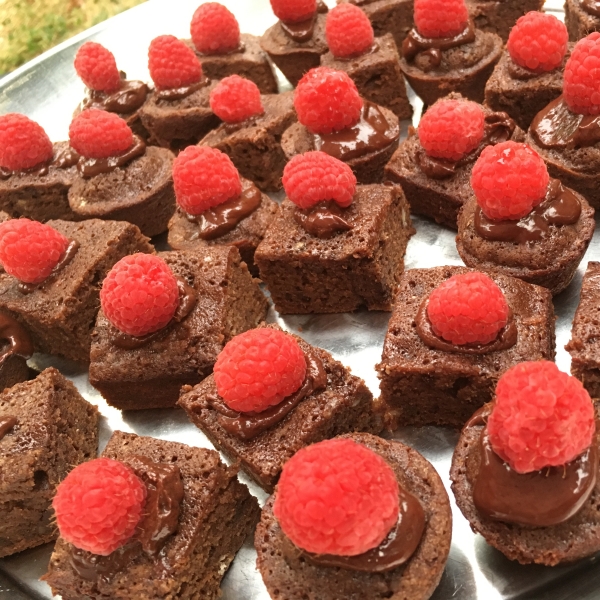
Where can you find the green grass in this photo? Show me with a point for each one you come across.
(30, 27)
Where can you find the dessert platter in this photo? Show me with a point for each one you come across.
(317, 324)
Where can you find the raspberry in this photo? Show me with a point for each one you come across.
(581, 87)
(541, 417)
(315, 176)
(99, 134)
(214, 29)
(98, 505)
(348, 31)
(451, 128)
(29, 250)
(235, 99)
(204, 177)
(23, 143)
(538, 42)
(140, 294)
(294, 11)
(467, 309)
(97, 67)
(327, 100)
(440, 18)
(509, 180)
(258, 369)
(337, 497)
(172, 64)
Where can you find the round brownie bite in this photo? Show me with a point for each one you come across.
(294, 574)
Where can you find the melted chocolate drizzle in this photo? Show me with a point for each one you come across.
(323, 220)
(591, 7)
(90, 167)
(6, 424)
(184, 91)
(64, 158)
(19, 341)
(127, 99)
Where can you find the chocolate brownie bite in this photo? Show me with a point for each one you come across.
(59, 312)
(297, 41)
(195, 518)
(408, 564)
(46, 429)
(217, 299)
(328, 402)
(436, 179)
(537, 500)
(372, 63)
(252, 129)
(426, 380)
(582, 17)
(522, 223)
(460, 59)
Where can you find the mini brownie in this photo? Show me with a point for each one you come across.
(345, 405)
(417, 579)
(582, 17)
(585, 335)
(297, 47)
(59, 314)
(15, 348)
(254, 145)
(46, 429)
(228, 302)
(216, 515)
(355, 268)
(377, 75)
(499, 17)
(439, 191)
(423, 385)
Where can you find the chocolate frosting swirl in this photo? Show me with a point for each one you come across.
(6, 424)
(90, 167)
(323, 220)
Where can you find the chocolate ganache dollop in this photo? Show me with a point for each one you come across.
(303, 31)
(323, 220)
(6, 424)
(127, 99)
(90, 167)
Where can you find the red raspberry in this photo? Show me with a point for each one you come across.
(327, 100)
(97, 67)
(204, 177)
(581, 88)
(140, 294)
(538, 42)
(348, 31)
(294, 11)
(29, 250)
(509, 180)
(337, 497)
(440, 18)
(99, 134)
(451, 128)
(23, 143)
(172, 64)
(315, 176)
(541, 417)
(235, 99)
(258, 369)
(467, 309)
(98, 505)
(214, 29)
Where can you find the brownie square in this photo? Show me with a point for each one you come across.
(254, 146)
(55, 430)
(217, 514)
(354, 269)
(579, 21)
(228, 302)
(500, 17)
(377, 75)
(345, 406)
(59, 314)
(421, 385)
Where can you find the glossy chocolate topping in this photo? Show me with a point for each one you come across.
(127, 99)
(371, 133)
(303, 31)
(6, 424)
(323, 220)
(539, 499)
(415, 43)
(557, 127)
(591, 7)
(90, 167)
(66, 258)
(507, 336)
(521, 73)
(171, 94)
(217, 221)
(63, 159)
(560, 207)
(187, 301)
(247, 426)
(19, 342)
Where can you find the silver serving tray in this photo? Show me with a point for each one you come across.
(47, 89)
